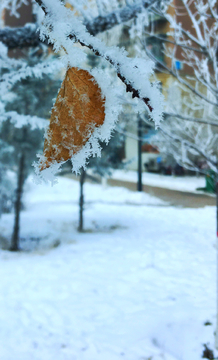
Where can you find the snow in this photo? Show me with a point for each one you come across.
(138, 284)
(182, 183)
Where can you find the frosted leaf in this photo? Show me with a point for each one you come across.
(73, 120)
(102, 133)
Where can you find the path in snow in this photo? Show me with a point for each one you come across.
(173, 197)
(173, 190)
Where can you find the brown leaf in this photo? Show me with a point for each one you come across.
(78, 110)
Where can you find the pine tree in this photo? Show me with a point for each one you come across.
(31, 97)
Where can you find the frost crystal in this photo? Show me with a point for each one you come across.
(62, 28)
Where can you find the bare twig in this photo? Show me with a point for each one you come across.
(189, 145)
(192, 119)
(181, 80)
(174, 43)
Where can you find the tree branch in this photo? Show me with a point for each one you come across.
(189, 145)
(179, 27)
(28, 36)
(103, 23)
(192, 119)
(174, 43)
(111, 60)
(181, 80)
(186, 143)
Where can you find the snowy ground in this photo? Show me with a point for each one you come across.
(139, 284)
(181, 183)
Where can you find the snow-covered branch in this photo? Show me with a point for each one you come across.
(12, 6)
(62, 28)
(25, 71)
(119, 16)
(181, 79)
(27, 36)
(166, 40)
(190, 146)
(19, 120)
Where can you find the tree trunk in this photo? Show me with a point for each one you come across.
(19, 191)
(81, 200)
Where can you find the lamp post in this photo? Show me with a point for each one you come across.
(216, 332)
(139, 184)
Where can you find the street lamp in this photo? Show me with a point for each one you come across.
(139, 184)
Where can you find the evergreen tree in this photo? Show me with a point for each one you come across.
(32, 97)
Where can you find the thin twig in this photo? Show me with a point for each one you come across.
(187, 118)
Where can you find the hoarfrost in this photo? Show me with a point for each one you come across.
(62, 29)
